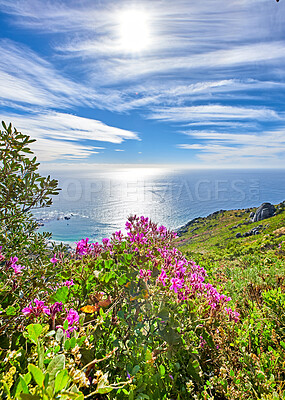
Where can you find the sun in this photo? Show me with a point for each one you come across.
(134, 30)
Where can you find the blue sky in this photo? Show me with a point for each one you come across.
(177, 83)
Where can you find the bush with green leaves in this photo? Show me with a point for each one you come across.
(22, 189)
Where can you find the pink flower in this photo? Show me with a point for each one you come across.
(73, 320)
(83, 247)
(54, 260)
(233, 315)
(72, 317)
(68, 283)
(13, 260)
(106, 242)
(17, 269)
(176, 284)
(162, 277)
(37, 310)
(55, 308)
(145, 274)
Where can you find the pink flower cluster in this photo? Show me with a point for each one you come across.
(72, 318)
(177, 274)
(38, 308)
(145, 274)
(16, 267)
(183, 277)
(84, 248)
(65, 283)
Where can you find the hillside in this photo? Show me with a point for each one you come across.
(243, 265)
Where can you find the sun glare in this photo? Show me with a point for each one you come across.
(134, 30)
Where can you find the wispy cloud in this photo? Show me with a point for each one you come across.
(213, 66)
(26, 78)
(214, 112)
(67, 136)
(228, 148)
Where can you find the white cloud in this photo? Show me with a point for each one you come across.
(67, 136)
(28, 79)
(213, 112)
(228, 148)
(197, 72)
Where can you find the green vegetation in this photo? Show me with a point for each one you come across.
(251, 271)
(134, 317)
(21, 190)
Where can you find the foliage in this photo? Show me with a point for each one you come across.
(133, 317)
(21, 190)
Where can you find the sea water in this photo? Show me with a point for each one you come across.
(95, 204)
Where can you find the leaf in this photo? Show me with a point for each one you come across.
(41, 352)
(103, 385)
(135, 370)
(163, 314)
(61, 380)
(65, 325)
(105, 389)
(34, 331)
(27, 378)
(46, 380)
(171, 336)
(5, 342)
(59, 335)
(67, 344)
(73, 396)
(122, 280)
(162, 370)
(60, 295)
(72, 342)
(37, 374)
(56, 364)
(22, 386)
(11, 310)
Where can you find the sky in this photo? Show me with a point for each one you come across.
(182, 83)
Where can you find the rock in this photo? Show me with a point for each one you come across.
(251, 215)
(66, 217)
(238, 235)
(266, 210)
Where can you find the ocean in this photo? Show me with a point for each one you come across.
(95, 204)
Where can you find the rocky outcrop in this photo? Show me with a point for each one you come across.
(254, 231)
(266, 210)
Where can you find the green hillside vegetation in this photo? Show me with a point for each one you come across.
(256, 260)
(251, 271)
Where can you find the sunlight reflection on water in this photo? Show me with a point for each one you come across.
(99, 203)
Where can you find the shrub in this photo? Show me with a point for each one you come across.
(22, 189)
